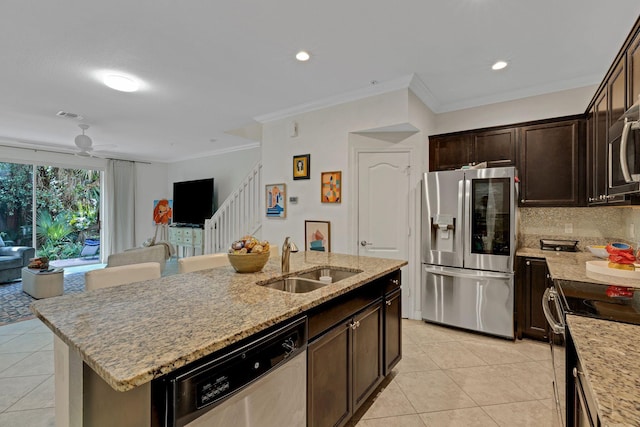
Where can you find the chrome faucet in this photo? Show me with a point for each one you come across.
(287, 248)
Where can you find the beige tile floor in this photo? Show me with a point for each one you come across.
(447, 378)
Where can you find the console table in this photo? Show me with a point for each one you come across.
(187, 240)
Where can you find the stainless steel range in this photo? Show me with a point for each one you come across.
(468, 248)
(598, 300)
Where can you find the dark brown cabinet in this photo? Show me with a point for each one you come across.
(597, 162)
(633, 70)
(549, 155)
(449, 152)
(497, 147)
(354, 342)
(367, 353)
(533, 280)
(392, 330)
(329, 399)
(344, 366)
(551, 164)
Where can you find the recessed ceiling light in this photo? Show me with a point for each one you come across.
(121, 83)
(499, 65)
(303, 56)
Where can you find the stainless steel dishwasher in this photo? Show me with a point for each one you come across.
(262, 383)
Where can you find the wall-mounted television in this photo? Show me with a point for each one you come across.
(193, 202)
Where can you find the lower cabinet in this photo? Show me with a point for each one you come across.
(345, 365)
(329, 364)
(354, 343)
(533, 280)
(392, 330)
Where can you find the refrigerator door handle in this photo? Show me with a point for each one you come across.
(459, 233)
(454, 272)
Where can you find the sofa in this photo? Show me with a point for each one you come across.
(12, 260)
(157, 253)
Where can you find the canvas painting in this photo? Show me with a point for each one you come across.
(317, 236)
(276, 200)
(162, 211)
(331, 190)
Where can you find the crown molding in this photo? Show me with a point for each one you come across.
(371, 90)
(219, 152)
(519, 94)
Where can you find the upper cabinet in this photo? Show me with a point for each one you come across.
(449, 152)
(551, 164)
(548, 154)
(617, 92)
(633, 70)
(497, 147)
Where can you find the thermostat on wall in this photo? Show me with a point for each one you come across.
(293, 199)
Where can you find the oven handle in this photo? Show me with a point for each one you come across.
(624, 165)
(548, 296)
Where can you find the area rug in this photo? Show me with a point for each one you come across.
(14, 303)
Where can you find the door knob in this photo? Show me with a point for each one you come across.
(365, 243)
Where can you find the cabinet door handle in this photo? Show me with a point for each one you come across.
(395, 281)
(388, 302)
(528, 262)
(355, 325)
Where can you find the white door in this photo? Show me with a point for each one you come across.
(383, 208)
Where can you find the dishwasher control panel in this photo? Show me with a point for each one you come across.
(205, 384)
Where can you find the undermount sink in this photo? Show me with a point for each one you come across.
(310, 281)
(296, 285)
(336, 274)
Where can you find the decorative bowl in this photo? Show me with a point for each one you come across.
(599, 251)
(248, 263)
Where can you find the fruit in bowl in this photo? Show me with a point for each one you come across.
(249, 255)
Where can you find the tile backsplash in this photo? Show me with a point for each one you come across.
(590, 226)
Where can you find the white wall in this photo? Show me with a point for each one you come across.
(150, 185)
(324, 134)
(557, 104)
(227, 170)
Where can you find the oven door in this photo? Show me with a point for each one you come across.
(554, 315)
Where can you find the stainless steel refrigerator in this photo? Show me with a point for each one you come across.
(468, 249)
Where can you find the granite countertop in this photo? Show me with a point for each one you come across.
(572, 266)
(130, 334)
(607, 351)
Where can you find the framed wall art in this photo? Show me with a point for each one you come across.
(301, 166)
(276, 200)
(317, 236)
(331, 187)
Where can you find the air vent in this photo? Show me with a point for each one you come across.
(66, 115)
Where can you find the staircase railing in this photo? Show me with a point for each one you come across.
(240, 214)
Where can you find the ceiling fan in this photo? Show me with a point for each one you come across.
(85, 144)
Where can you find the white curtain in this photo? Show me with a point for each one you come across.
(119, 201)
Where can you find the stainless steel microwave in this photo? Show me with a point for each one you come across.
(624, 153)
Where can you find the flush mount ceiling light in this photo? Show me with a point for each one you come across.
(499, 65)
(303, 56)
(121, 82)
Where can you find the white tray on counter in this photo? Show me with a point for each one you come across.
(601, 267)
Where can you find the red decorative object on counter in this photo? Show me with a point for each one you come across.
(621, 256)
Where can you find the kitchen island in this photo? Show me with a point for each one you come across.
(132, 334)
